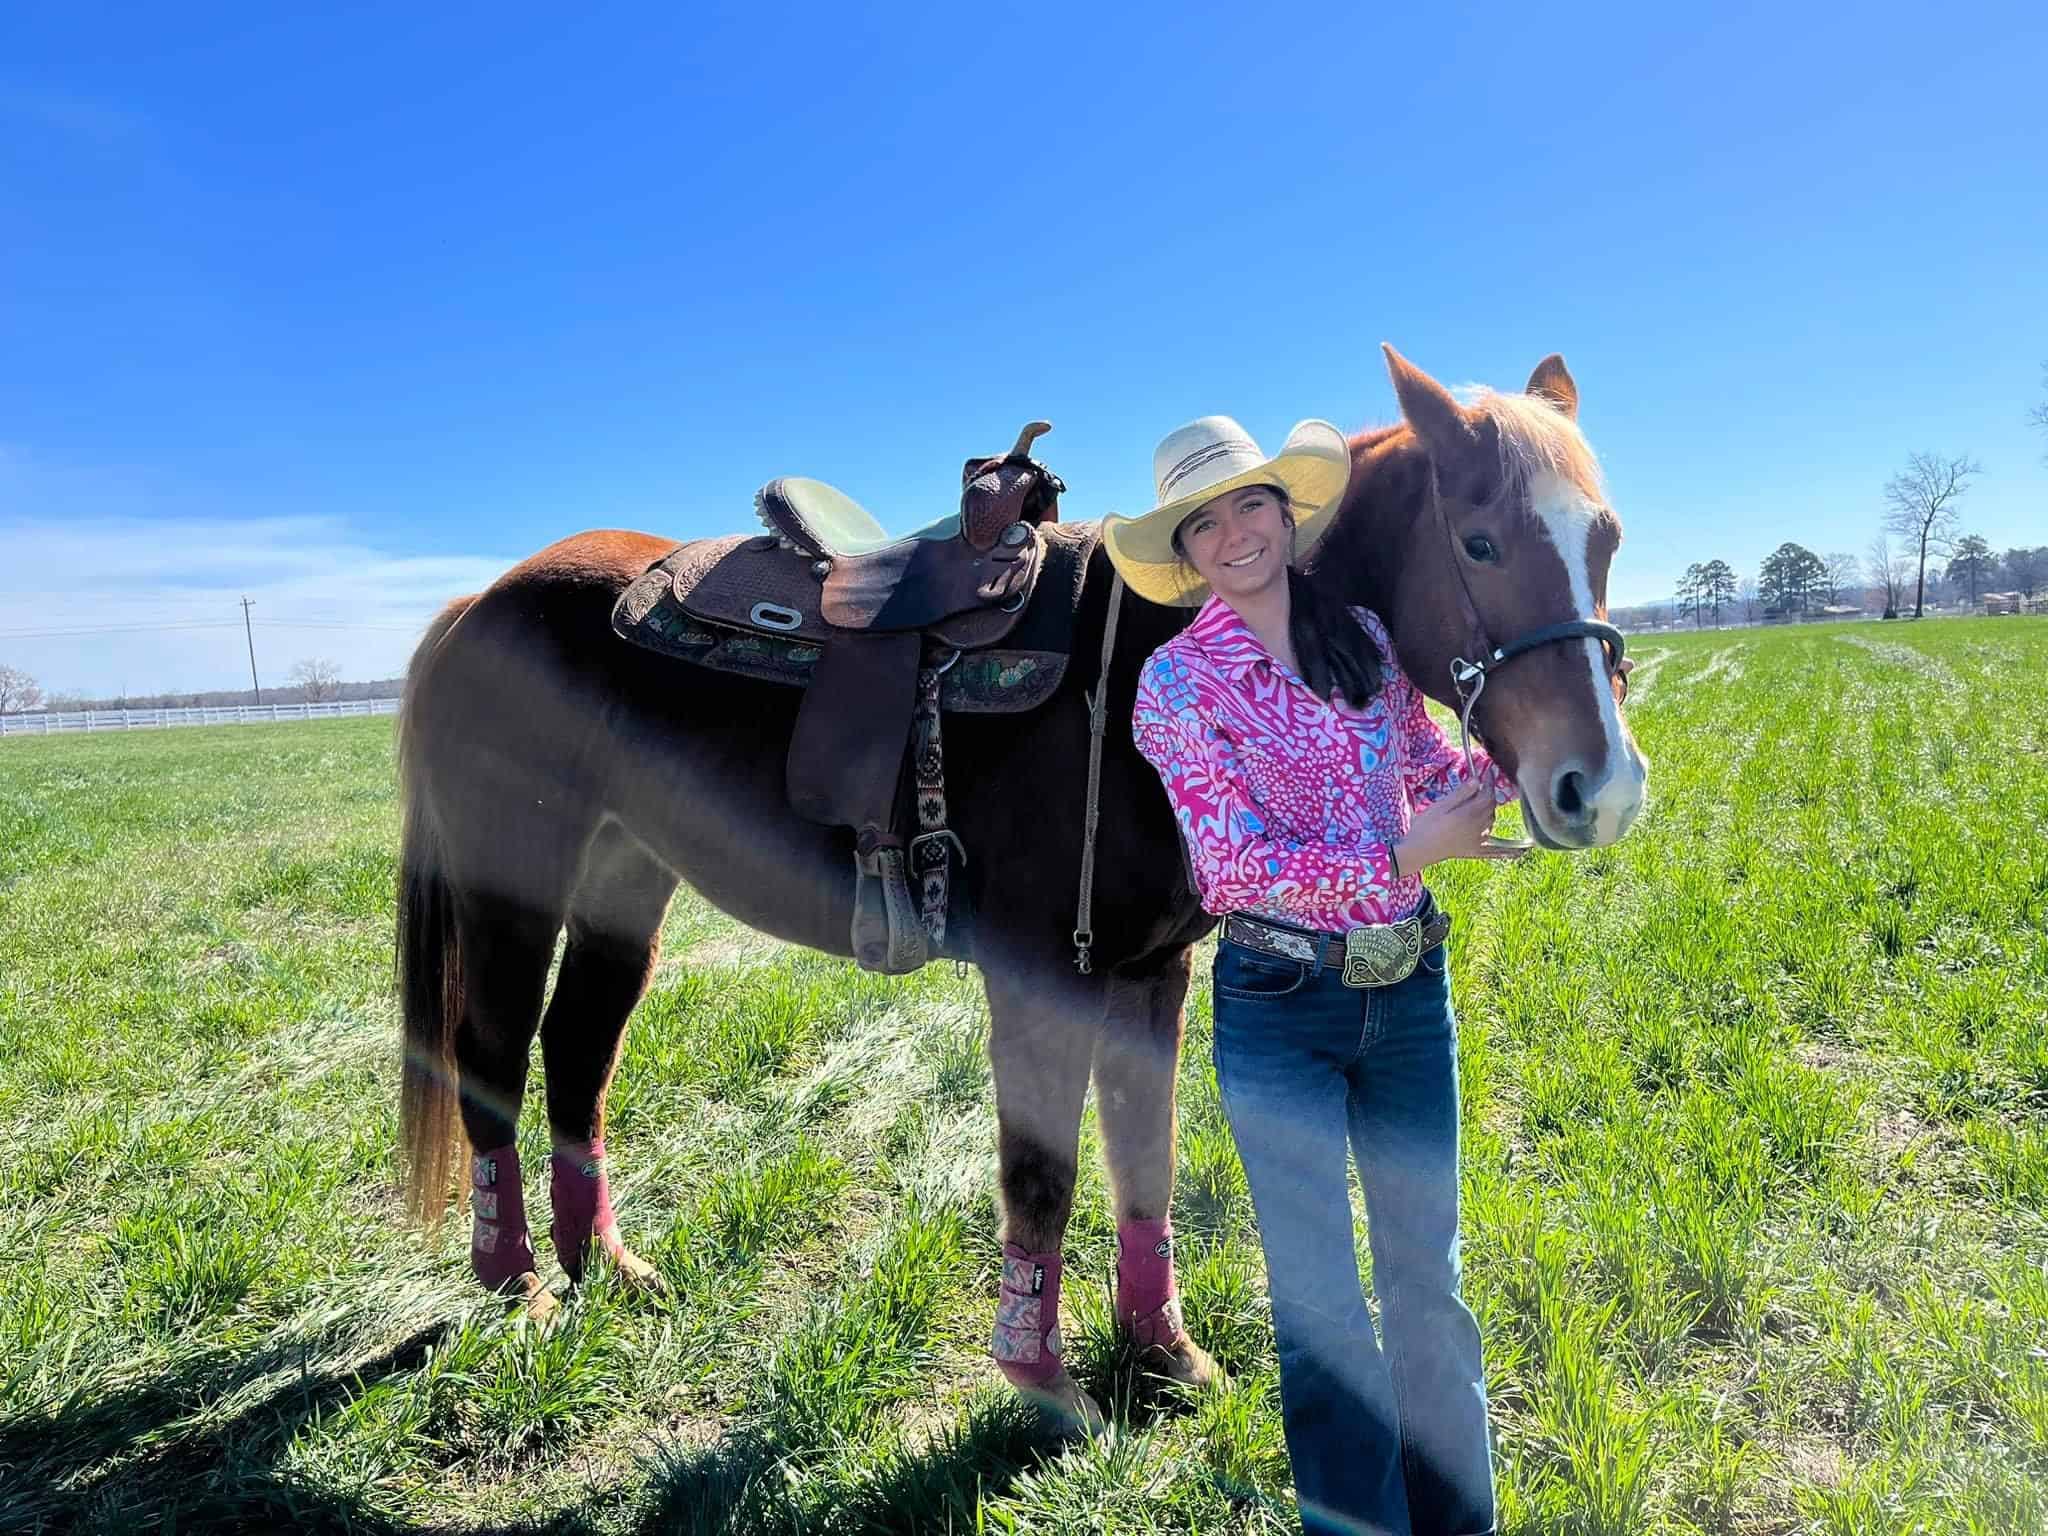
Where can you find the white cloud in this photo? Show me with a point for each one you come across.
(318, 589)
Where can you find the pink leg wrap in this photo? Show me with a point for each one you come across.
(582, 1199)
(1027, 1341)
(1147, 1303)
(500, 1247)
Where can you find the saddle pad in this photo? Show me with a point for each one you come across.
(997, 681)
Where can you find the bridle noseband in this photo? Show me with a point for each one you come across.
(1469, 677)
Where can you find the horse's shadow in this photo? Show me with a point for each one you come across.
(149, 1458)
(741, 1486)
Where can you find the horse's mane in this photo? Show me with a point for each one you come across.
(1535, 437)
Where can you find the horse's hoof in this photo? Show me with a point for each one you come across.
(632, 1274)
(636, 1276)
(1183, 1362)
(1072, 1411)
(531, 1299)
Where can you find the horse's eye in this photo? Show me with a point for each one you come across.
(1481, 548)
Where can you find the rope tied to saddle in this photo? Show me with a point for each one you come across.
(1098, 720)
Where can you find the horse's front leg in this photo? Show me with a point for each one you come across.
(1137, 1058)
(1042, 1032)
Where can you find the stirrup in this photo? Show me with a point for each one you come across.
(888, 928)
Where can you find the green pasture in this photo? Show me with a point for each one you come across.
(1756, 1179)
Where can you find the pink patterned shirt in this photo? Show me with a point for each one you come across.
(1289, 804)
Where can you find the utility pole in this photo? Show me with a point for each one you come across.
(251, 634)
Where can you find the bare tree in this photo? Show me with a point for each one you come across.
(19, 692)
(1924, 506)
(1887, 573)
(319, 678)
(1842, 570)
(1746, 594)
(1937, 586)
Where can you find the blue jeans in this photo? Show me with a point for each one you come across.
(1385, 1436)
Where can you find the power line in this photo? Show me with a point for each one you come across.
(396, 629)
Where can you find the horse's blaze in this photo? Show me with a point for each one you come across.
(1583, 784)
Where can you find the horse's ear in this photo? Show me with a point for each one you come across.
(1553, 381)
(1445, 427)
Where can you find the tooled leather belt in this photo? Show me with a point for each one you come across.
(1373, 955)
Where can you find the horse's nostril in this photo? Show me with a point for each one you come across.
(1570, 793)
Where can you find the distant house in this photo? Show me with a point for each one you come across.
(2003, 602)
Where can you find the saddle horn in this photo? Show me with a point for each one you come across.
(1032, 431)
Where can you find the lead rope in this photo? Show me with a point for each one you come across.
(1098, 718)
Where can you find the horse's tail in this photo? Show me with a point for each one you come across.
(429, 963)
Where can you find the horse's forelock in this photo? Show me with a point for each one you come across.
(1536, 437)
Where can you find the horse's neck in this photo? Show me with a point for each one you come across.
(1360, 558)
(1141, 628)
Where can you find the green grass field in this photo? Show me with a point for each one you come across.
(1757, 1167)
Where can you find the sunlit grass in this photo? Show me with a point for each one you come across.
(1756, 1167)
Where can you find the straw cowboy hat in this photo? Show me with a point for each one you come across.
(1210, 458)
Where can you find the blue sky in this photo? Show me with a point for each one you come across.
(349, 312)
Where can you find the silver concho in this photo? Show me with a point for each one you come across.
(1380, 955)
(1295, 946)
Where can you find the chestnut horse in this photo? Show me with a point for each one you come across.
(555, 776)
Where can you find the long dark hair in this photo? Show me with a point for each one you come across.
(1335, 652)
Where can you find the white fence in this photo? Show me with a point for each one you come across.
(149, 719)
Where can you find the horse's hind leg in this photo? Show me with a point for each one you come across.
(1136, 1058)
(1041, 1035)
(506, 944)
(614, 936)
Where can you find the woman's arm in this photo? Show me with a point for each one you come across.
(1435, 767)
(1238, 861)
(1432, 766)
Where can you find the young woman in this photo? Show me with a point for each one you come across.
(1313, 790)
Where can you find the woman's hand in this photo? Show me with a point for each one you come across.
(1459, 826)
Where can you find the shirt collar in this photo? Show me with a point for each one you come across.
(1228, 641)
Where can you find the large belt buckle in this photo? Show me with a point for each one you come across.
(1383, 953)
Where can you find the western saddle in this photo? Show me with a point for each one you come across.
(871, 626)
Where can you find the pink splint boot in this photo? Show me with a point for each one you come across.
(1027, 1338)
(582, 1201)
(1147, 1301)
(500, 1246)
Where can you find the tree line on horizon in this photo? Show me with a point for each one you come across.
(1923, 510)
(313, 681)
(1793, 581)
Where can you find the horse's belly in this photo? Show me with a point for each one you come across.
(709, 800)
